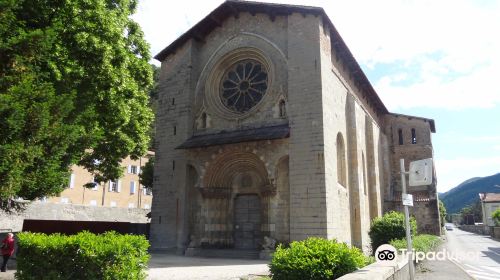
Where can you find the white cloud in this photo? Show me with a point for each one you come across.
(450, 49)
(452, 172)
(464, 34)
(163, 21)
(474, 90)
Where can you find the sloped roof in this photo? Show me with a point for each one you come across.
(233, 7)
(231, 137)
(489, 197)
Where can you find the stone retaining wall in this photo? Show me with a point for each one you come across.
(376, 271)
(70, 212)
(479, 229)
(495, 232)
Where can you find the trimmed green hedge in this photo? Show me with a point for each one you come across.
(316, 258)
(421, 243)
(389, 227)
(81, 256)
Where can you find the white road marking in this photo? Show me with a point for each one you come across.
(495, 269)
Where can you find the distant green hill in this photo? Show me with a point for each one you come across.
(467, 192)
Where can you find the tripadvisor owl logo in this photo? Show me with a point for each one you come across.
(386, 255)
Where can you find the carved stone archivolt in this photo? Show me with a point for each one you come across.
(215, 192)
(246, 168)
(268, 190)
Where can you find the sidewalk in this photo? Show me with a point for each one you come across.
(9, 275)
(440, 270)
(195, 268)
(11, 269)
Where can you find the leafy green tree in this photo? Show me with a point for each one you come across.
(74, 84)
(147, 173)
(153, 102)
(442, 212)
(472, 213)
(496, 217)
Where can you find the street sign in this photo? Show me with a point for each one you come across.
(407, 199)
(421, 172)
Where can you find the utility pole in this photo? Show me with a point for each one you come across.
(407, 220)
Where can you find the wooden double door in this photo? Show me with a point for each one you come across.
(247, 221)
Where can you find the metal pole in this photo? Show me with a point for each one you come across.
(407, 221)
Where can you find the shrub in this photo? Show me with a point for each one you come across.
(82, 256)
(496, 217)
(389, 227)
(421, 243)
(316, 258)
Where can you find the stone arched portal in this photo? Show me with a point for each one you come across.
(236, 193)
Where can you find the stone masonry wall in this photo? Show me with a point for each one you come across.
(426, 210)
(307, 170)
(50, 211)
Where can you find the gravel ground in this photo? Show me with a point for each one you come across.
(173, 267)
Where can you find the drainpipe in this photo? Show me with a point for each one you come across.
(103, 193)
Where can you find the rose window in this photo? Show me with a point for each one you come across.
(243, 86)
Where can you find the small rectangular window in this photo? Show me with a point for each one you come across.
(173, 165)
(113, 204)
(175, 130)
(132, 169)
(96, 185)
(72, 181)
(413, 136)
(400, 135)
(132, 187)
(64, 200)
(114, 186)
(93, 203)
(173, 101)
(131, 205)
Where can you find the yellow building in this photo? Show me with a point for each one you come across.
(125, 192)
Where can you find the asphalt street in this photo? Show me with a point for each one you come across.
(479, 255)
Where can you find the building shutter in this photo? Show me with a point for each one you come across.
(132, 187)
(119, 185)
(138, 170)
(110, 186)
(72, 181)
(129, 169)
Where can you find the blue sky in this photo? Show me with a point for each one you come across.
(436, 59)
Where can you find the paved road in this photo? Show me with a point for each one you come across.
(479, 255)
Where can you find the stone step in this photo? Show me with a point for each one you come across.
(229, 253)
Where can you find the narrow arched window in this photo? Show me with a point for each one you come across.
(282, 109)
(204, 120)
(400, 135)
(413, 136)
(341, 161)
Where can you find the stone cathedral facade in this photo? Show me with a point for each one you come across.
(267, 126)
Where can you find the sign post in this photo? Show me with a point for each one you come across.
(421, 173)
(406, 202)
